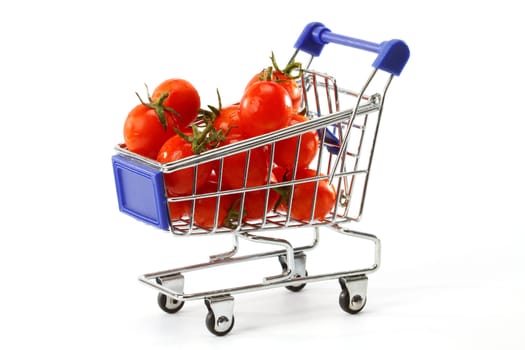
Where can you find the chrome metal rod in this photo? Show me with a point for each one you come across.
(229, 253)
(232, 260)
(372, 149)
(151, 279)
(288, 248)
(254, 142)
(256, 287)
(367, 236)
(350, 122)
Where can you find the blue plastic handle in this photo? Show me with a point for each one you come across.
(392, 54)
(332, 143)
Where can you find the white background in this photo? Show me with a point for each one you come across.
(445, 196)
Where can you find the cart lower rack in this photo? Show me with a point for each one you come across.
(345, 124)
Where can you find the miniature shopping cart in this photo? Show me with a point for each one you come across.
(346, 122)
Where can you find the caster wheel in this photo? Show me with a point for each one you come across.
(168, 304)
(351, 306)
(299, 287)
(213, 324)
(300, 261)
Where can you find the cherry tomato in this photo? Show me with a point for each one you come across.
(279, 173)
(254, 202)
(206, 208)
(265, 107)
(288, 83)
(256, 78)
(234, 166)
(228, 120)
(144, 134)
(303, 195)
(180, 182)
(291, 86)
(182, 97)
(285, 150)
(179, 209)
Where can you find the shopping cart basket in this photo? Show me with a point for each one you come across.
(346, 123)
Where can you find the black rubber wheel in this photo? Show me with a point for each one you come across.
(299, 287)
(168, 304)
(344, 302)
(210, 324)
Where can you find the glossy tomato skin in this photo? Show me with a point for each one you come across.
(206, 208)
(144, 134)
(234, 166)
(303, 195)
(179, 209)
(228, 120)
(291, 86)
(285, 150)
(264, 107)
(254, 202)
(180, 182)
(182, 97)
(288, 83)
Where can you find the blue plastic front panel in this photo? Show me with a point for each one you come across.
(140, 191)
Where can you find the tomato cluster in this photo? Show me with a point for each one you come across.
(175, 104)
(171, 125)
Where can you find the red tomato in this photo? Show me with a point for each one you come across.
(265, 107)
(280, 174)
(291, 86)
(228, 120)
(302, 201)
(254, 201)
(180, 182)
(182, 97)
(285, 150)
(254, 207)
(206, 208)
(144, 134)
(179, 209)
(288, 83)
(234, 165)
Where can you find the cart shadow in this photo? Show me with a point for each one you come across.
(294, 310)
(282, 311)
(321, 304)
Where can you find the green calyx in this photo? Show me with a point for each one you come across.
(206, 137)
(284, 195)
(290, 68)
(233, 216)
(292, 71)
(159, 107)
